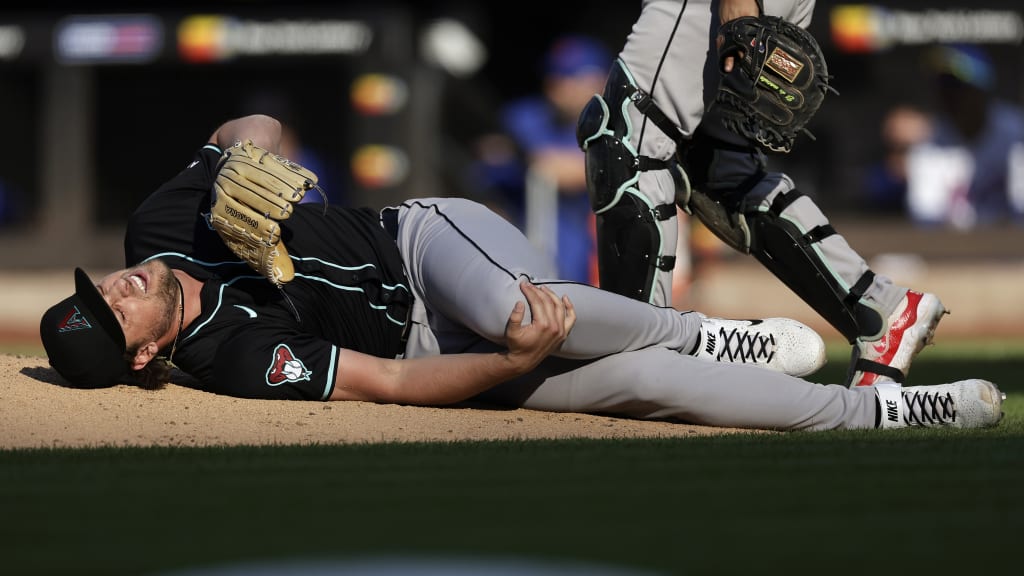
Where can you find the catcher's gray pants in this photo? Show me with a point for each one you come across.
(685, 86)
(623, 356)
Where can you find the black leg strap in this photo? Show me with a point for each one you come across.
(658, 213)
(819, 233)
(664, 211)
(645, 104)
(665, 263)
(785, 200)
(782, 201)
(876, 368)
(857, 292)
(646, 163)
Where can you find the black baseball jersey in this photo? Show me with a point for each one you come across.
(255, 340)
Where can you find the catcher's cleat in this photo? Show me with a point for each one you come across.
(911, 326)
(778, 344)
(964, 404)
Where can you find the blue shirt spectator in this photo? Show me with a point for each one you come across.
(543, 127)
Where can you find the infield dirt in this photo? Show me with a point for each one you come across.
(37, 411)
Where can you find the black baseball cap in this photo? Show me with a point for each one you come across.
(83, 338)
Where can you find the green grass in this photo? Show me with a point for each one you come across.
(868, 502)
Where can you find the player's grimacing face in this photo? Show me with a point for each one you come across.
(144, 300)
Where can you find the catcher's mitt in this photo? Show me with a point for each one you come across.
(778, 81)
(255, 190)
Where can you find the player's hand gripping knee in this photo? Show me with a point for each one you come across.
(552, 320)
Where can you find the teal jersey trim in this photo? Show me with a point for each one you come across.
(355, 289)
(220, 300)
(332, 367)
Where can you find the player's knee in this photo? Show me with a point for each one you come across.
(494, 307)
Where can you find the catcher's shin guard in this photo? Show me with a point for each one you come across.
(787, 231)
(629, 241)
(629, 225)
(762, 213)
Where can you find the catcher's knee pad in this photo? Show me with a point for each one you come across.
(604, 133)
(629, 236)
(786, 234)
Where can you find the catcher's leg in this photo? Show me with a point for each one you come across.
(763, 214)
(636, 230)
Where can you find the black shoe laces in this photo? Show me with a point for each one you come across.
(928, 408)
(739, 345)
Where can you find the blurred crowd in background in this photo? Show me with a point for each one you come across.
(961, 163)
(487, 105)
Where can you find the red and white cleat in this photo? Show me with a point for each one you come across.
(911, 327)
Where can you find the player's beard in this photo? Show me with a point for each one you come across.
(166, 296)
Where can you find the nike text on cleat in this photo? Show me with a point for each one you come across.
(910, 327)
(779, 344)
(964, 404)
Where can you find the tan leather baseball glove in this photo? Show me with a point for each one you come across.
(253, 192)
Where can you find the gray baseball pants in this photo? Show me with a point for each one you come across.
(623, 357)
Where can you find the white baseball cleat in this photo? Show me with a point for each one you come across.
(778, 344)
(911, 327)
(964, 404)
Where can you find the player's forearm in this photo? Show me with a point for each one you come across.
(430, 381)
(263, 130)
(733, 9)
(438, 380)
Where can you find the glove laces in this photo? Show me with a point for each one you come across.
(928, 408)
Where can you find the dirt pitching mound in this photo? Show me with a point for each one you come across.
(38, 410)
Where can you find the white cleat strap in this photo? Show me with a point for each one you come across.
(890, 402)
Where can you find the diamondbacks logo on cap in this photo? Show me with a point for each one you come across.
(73, 320)
(285, 367)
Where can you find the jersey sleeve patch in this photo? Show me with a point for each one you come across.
(275, 364)
(286, 367)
